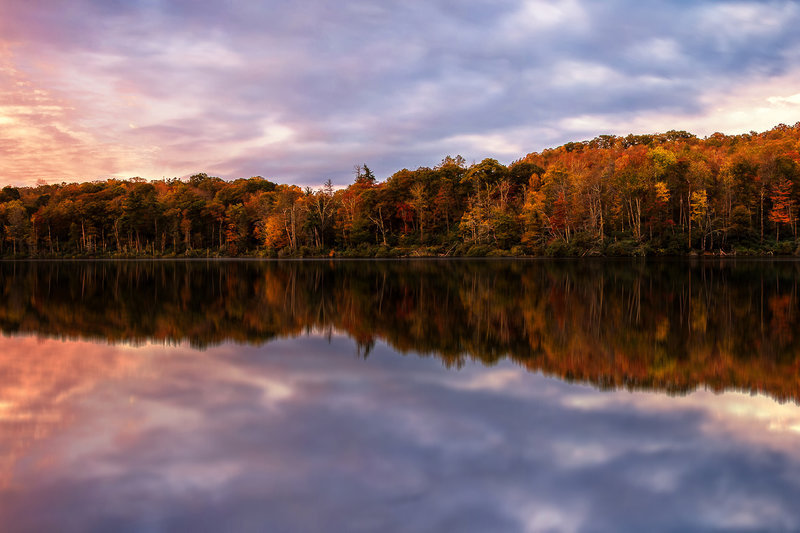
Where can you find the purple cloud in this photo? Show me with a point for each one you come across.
(301, 92)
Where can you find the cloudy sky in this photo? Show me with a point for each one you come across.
(302, 91)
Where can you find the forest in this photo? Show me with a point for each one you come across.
(640, 195)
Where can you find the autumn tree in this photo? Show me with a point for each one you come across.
(18, 224)
(322, 206)
(419, 201)
(783, 205)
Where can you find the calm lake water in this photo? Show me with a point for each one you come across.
(390, 396)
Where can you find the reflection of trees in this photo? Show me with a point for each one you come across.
(670, 326)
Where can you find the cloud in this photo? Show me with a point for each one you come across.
(301, 93)
(793, 99)
(41, 135)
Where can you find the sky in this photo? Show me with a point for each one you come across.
(301, 92)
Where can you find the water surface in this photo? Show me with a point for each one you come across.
(399, 396)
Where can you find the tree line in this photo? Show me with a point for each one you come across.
(662, 194)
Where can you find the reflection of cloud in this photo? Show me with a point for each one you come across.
(41, 380)
(744, 417)
(491, 380)
(243, 438)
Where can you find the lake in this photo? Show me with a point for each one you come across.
(436, 395)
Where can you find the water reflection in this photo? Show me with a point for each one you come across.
(670, 326)
(300, 435)
(112, 419)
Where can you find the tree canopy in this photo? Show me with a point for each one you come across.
(656, 194)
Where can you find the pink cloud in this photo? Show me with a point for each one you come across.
(41, 136)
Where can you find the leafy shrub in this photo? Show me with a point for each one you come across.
(558, 248)
(624, 248)
(478, 250)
